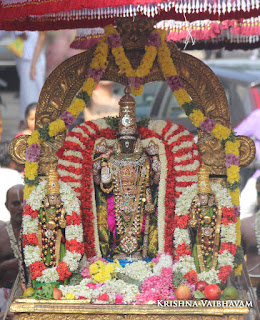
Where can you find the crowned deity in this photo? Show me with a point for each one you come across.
(52, 223)
(126, 178)
(205, 220)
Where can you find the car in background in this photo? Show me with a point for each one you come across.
(240, 80)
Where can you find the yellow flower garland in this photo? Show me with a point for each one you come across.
(168, 69)
(125, 66)
(219, 131)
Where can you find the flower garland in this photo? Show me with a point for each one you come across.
(13, 241)
(47, 132)
(179, 159)
(140, 282)
(96, 70)
(217, 130)
(135, 77)
(225, 262)
(73, 235)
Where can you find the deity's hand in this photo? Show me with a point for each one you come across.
(106, 176)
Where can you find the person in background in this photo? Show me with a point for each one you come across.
(9, 253)
(30, 119)
(250, 127)
(250, 233)
(250, 240)
(103, 102)
(31, 69)
(58, 48)
(9, 177)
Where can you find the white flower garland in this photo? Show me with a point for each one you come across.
(30, 225)
(13, 242)
(111, 288)
(227, 233)
(137, 270)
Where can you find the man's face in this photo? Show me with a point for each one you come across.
(14, 203)
(258, 195)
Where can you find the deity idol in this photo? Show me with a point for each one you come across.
(126, 178)
(52, 222)
(205, 219)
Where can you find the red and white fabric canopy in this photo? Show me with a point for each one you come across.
(63, 14)
(201, 34)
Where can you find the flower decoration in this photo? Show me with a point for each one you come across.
(177, 173)
(32, 153)
(73, 233)
(96, 74)
(135, 82)
(207, 125)
(228, 247)
(154, 40)
(114, 40)
(68, 118)
(175, 83)
(156, 46)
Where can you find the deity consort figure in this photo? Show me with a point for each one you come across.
(126, 178)
(52, 222)
(205, 220)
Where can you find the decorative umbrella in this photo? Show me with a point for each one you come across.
(62, 14)
(201, 34)
(206, 34)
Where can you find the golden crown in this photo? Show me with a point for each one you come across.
(53, 182)
(203, 180)
(127, 116)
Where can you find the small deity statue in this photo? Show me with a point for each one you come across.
(52, 222)
(126, 179)
(205, 219)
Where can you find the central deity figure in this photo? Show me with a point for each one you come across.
(126, 178)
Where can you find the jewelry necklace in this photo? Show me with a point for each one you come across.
(134, 162)
(13, 242)
(257, 230)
